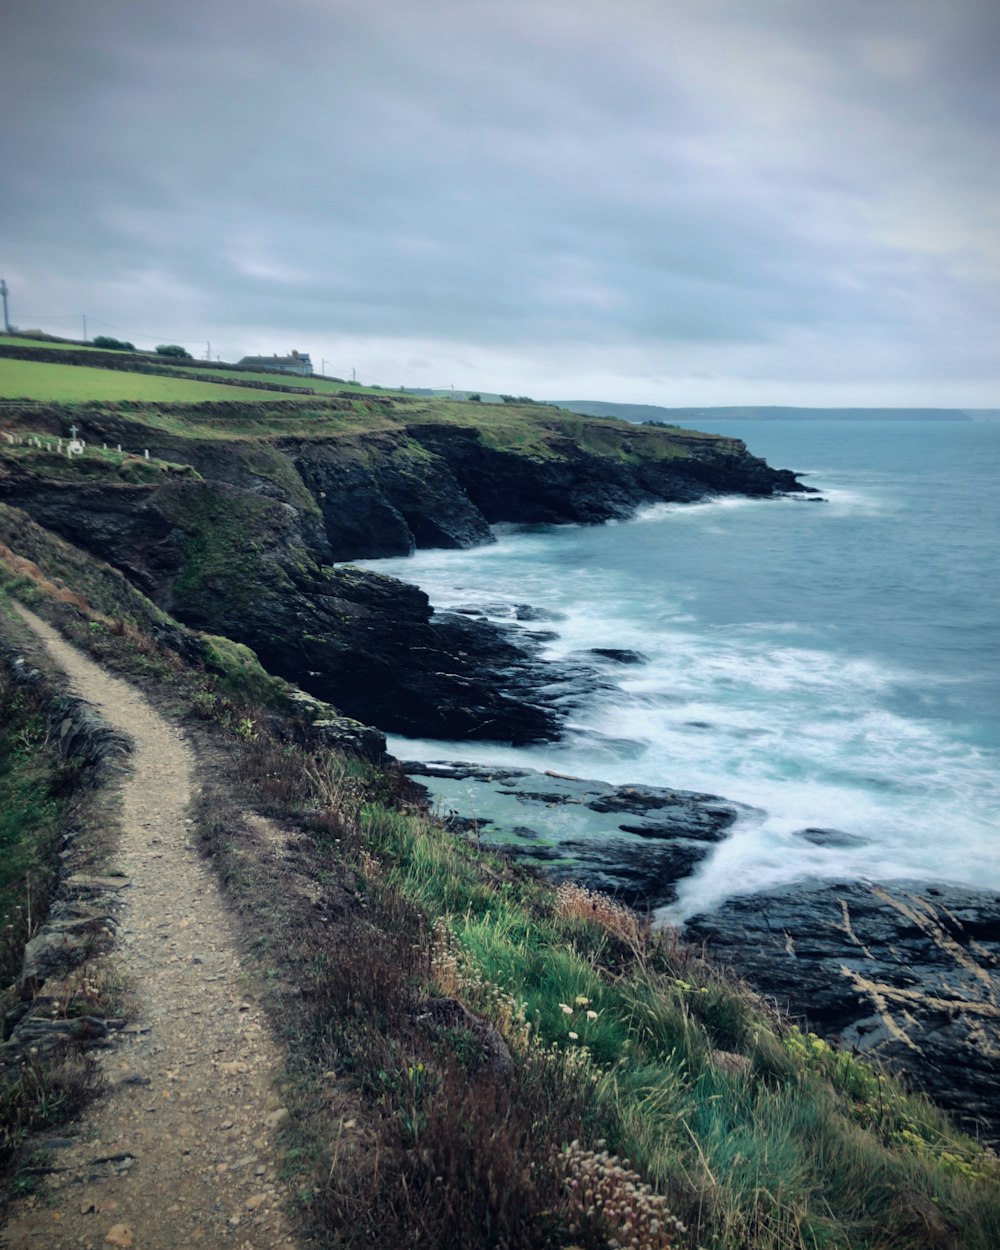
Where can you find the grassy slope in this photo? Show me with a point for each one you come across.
(339, 408)
(535, 431)
(65, 384)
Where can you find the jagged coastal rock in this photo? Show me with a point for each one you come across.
(906, 972)
(244, 537)
(634, 842)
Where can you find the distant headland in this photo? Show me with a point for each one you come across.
(654, 412)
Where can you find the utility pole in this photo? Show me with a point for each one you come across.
(208, 351)
(353, 378)
(3, 292)
(85, 329)
(322, 367)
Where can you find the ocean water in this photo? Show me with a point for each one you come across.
(834, 665)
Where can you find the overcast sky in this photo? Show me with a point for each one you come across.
(662, 201)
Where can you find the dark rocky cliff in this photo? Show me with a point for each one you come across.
(237, 535)
(365, 493)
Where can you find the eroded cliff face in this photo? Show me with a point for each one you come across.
(368, 493)
(385, 495)
(584, 486)
(240, 536)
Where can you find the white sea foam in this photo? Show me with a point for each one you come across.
(697, 511)
(765, 679)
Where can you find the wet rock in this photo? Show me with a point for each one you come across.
(573, 827)
(671, 813)
(830, 837)
(527, 612)
(908, 972)
(642, 876)
(500, 610)
(577, 485)
(619, 655)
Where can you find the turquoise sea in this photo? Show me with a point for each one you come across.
(834, 665)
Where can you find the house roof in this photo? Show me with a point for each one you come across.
(273, 361)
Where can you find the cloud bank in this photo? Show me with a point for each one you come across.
(686, 201)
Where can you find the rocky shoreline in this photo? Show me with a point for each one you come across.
(906, 974)
(245, 538)
(634, 842)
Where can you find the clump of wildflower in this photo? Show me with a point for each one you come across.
(575, 902)
(457, 975)
(580, 1002)
(605, 1190)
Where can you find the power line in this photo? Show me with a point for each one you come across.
(140, 334)
(162, 338)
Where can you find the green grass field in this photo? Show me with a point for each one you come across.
(61, 391)
(77, 384)
(16, 340)
(322, 386)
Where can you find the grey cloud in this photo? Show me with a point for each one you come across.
(490, 178)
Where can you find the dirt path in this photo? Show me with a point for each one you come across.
(179, 1152)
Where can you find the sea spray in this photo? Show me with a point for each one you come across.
(832, 664)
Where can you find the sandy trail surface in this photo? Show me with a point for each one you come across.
(180, 1150)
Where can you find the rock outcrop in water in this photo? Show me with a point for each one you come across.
(634, 842)
(906, 972)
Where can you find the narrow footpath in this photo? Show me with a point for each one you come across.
(180, 1150)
